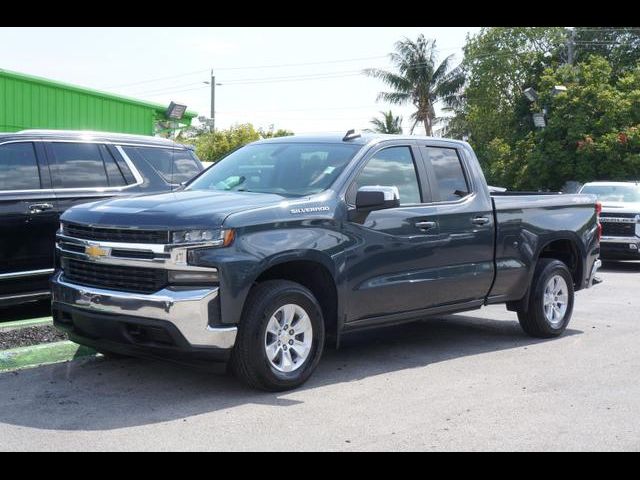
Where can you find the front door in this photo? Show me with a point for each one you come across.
(392, 265)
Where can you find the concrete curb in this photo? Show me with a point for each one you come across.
(31, 322)
(43, 354)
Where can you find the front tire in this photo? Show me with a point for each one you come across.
(550, 302)
(280, 338)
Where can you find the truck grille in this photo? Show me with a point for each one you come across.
(618, 229)
(126, 279)
(116, 234)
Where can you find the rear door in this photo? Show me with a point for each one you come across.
(465, 251)
(28, 219)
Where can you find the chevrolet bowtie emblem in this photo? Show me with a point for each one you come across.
(95, 251)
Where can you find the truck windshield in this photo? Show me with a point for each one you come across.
(295, 169)
(614, 193)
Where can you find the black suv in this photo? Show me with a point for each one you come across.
(43, 173)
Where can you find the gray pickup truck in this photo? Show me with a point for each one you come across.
(288, 244)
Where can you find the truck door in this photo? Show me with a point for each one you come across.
(393, 262)
(465, 251)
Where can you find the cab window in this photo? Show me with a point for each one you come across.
(390, 167)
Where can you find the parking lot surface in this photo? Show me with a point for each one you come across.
(465, 382)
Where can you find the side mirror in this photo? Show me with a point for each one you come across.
(377, 197)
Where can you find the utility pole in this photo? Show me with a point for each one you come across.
(213, 102)
(571, 45)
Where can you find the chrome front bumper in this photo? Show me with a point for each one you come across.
(187, 310)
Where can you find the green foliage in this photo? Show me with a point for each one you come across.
(420, 80)
(272, 133)
(388, 124)
(592, 129)
(211, 147)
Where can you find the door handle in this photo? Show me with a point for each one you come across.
(480, 221)
(426, 225)
(40, 207)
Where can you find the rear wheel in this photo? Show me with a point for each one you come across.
(280, 338)
(550, 302)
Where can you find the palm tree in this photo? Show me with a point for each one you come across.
(387, 124)
(420, 81)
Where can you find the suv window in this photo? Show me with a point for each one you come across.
(450, 177)
(115, 175)
(173, 164)
(77, 165)
(18, 167)
(392, 166)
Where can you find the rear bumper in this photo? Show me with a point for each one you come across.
(170, 321)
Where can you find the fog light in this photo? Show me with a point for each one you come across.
(633, 246)
(186, 277)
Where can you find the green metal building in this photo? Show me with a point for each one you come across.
(32, 102)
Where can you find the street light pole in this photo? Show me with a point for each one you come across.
(213, 102)
(571, 46)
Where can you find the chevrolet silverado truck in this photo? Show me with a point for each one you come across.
(620, 218)
(288, 244)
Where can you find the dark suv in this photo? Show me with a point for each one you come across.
(43, 173)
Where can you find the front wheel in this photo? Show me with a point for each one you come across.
(550, 302)
(280, 337)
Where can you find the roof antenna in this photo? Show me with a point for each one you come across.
(351, 134)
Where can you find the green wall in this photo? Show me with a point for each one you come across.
(32, 102)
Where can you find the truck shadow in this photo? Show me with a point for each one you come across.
(100, 394)
(26, 311)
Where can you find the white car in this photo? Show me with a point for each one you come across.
(620, 218)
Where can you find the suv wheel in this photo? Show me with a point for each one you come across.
(550, 302)
(281, 337)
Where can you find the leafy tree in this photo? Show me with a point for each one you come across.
(420, 80)
(619, 45)
(273, 133)
(499, 63)
(593, 130)
(389, 124)
(212, 146)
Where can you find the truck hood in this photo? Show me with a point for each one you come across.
(621, 207)
(174, 210)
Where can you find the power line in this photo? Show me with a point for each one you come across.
(157, 79)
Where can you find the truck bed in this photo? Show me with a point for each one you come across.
(527, 223)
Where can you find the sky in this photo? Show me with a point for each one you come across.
(304, 79)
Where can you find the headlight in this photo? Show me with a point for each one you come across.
(186, 277)
(215, 238)
(637, 225)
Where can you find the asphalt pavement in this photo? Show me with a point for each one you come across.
(465, 382)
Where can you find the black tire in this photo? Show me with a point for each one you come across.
(249, 361)
(533, 321)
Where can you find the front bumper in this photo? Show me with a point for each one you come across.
(183, 314)
(620, 248)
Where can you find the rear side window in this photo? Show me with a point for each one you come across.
(450, 178)
(18, 167)
(77, 165)
(172, 164)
